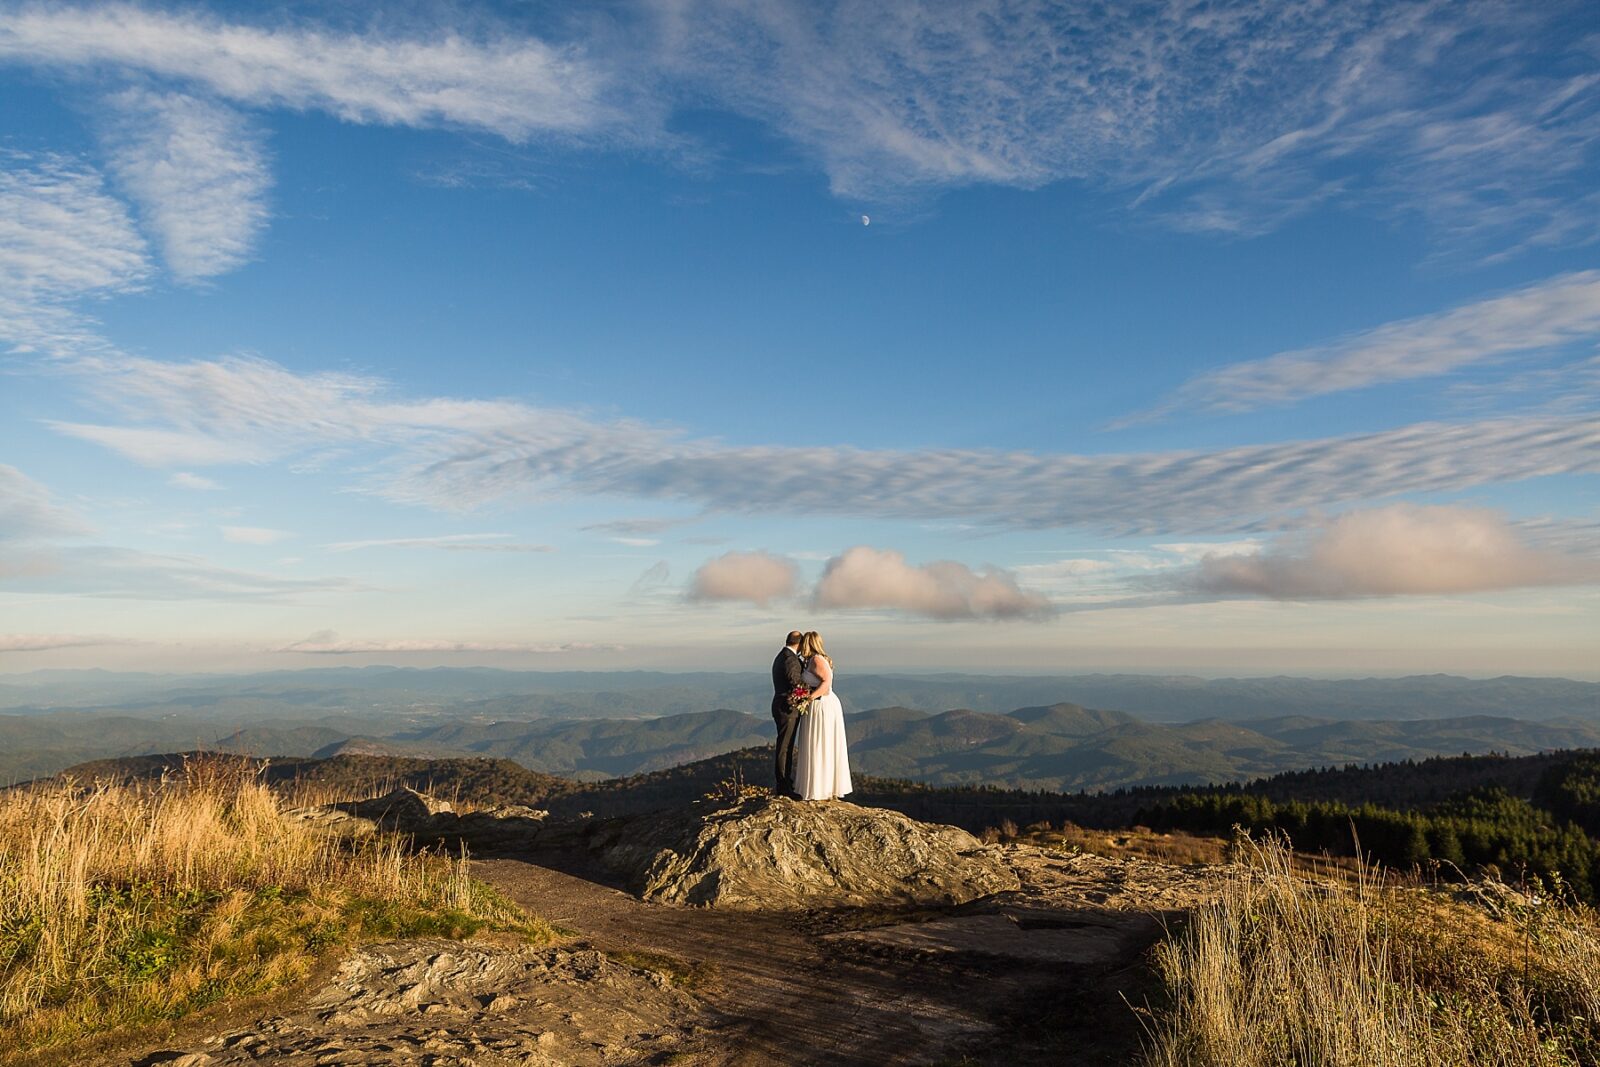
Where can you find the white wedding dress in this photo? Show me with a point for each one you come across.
(821, 753)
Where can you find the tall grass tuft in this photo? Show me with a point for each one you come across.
(124, 904)
(1285, 970)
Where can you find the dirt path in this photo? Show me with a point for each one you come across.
(882, 988)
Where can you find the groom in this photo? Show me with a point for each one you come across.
(786, 672)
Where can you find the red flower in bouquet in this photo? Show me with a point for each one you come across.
(800, 699)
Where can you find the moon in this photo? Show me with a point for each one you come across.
(866, 220)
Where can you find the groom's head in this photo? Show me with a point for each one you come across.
(794, 639)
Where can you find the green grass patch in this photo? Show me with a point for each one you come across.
(154, 954)
(681, 973)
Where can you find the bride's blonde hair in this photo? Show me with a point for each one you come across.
(811, 645)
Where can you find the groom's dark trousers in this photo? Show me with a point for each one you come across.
(786, 672)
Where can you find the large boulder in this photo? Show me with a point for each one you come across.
(429, 820)
(404, 809)
(771, 852)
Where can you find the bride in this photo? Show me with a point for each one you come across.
(821, 756)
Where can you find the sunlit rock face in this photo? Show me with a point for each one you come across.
(770, 852)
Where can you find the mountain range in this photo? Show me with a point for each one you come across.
(1058, 746)
(481, 692)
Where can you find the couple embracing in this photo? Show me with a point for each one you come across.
(813, 758)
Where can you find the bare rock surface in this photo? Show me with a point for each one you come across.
(403, 809)
(773, 853)
(444, 1003)
(1012, 934)
(429, 820)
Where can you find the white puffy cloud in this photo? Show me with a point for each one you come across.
(757, 577)
(866, 577)
(1391, 551)
(328, 643)
(1551, 313)
(197, 173)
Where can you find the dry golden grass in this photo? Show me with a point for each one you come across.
(1176, 848)
(126, 904)
(1284, 969)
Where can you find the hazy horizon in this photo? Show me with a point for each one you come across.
(760, 670)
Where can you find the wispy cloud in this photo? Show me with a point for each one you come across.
(62, 237)
(47, 642)
(754, 577)
(254, 535)
(1231, 118)
(473, 542)
(328, 643)
(1401, 549)
(1222, 119)
(866, 577)
(197, 173)
(40, 555)
(121, 573)
(516, 86)
(197, 482)
(29, 512)
(654, 578)
(458, 454)
(637, 527)
(1549, 314)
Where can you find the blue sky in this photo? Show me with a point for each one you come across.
(1223, 338)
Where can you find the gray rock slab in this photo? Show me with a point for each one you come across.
(775, 853)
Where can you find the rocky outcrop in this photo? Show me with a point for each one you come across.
(774, 853)
(430, 820)
(449, 1003)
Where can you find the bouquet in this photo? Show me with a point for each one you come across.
(800, 699)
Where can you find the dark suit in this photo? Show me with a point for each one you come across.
(786, 672)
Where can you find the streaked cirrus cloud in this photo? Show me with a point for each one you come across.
(189, 480)
(1231, 118)
(514, 85)
(1224, 118)
(129, 574)
(1549, 314)
(468, 542)
(29, 511)
(47, 642)
(329, 643)
(63, 237)
(197, 172)
(458, 454)
(254, 535)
